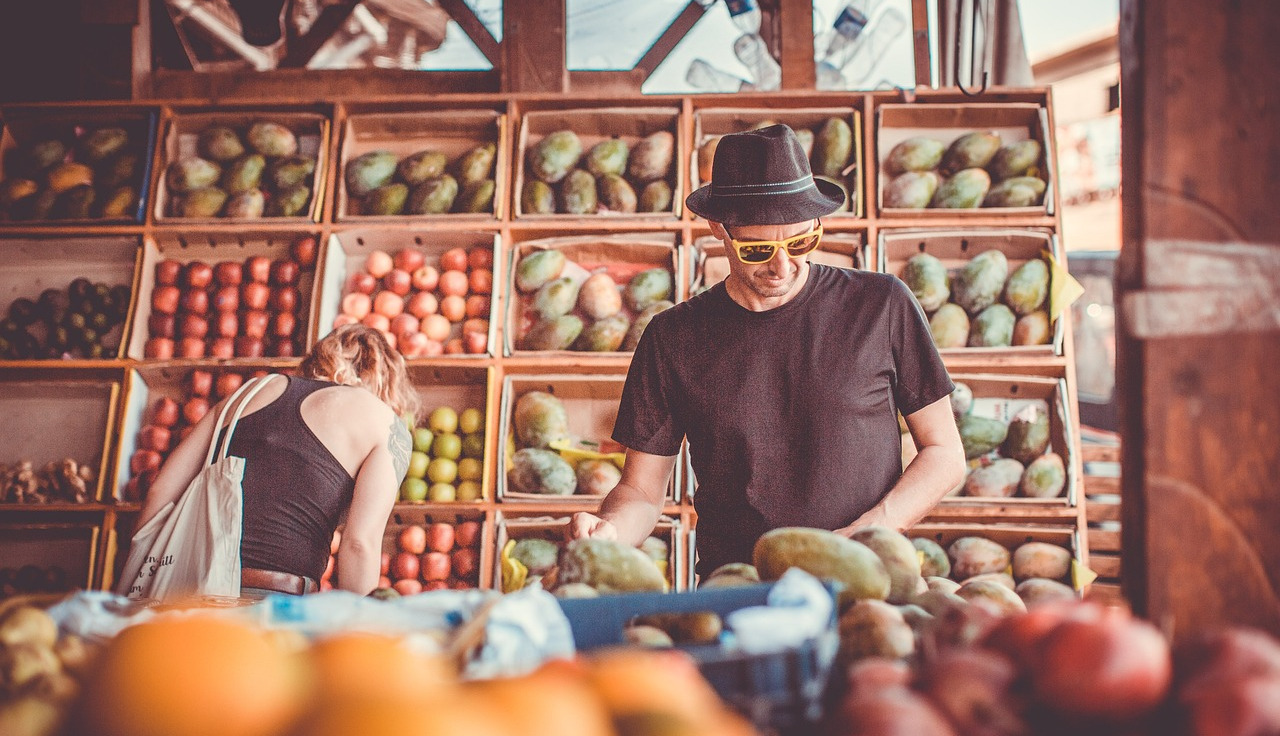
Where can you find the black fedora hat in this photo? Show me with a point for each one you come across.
(762, 177)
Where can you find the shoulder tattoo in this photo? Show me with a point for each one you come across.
(400, 444)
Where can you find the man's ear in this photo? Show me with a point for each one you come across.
(718, 231)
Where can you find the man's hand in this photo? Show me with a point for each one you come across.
(584, 525)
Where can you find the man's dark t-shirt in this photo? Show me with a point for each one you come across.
(790, 413)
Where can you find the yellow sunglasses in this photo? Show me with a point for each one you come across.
(762, 251)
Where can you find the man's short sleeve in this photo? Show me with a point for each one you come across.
(646, 421)
(921, 376)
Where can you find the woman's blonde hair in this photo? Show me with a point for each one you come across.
(356, 355)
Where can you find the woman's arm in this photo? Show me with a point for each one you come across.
(377, 487)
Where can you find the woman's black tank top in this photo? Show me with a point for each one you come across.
(295, 490)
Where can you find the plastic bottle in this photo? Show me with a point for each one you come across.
(857, 45)
(745, 14)
(754, 54)
(702, 75)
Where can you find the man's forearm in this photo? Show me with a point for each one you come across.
(631, 512)
(930, 476)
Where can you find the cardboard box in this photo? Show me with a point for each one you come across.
(1012, 536)
(33, 264)
(451, 132)
(212, 248)
(459, 387)
(1002, 397)
(622, 256)
(709, 264)
(404, 516)
(71, 547)
(955, 248)
(510, 525)
(47, 421)
(181, 136)
(345, 252)
(946, 122)
(592, 126)
(709, 123)
(26, 126)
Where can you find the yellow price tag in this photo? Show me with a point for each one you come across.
(1081, 576)
(1063, 287)
(514, 573)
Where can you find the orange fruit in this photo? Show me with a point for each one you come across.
(361, 666)
(554, 700)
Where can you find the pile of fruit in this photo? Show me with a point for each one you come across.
(539, 420)
(60, 481)
(829, 147)
(84, 321)
(1034, 572)
(434, 556)
(447, 463)
(612, 177)
(242, 173)
(1008, 458)
(566, 306)
(423, 309)
(583, 568)
(33, 579)
(230, 309)
(87, 174)
(982, 305)
(169, 422)
(976, 170)
(424, 183)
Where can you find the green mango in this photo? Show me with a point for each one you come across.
(1041, 560)
(102, 144)
(608, 157)
(997, 480)
(971, 556)
(609, 567)
(1045, 477)
(219, 143)
(291, 171)
(540, 419)
(554, 334)
(15, 189)
(831, 148)
(980, 435)
(854, 567)
(45, 154)
(899, 558)
(191, 174)
(538, 555)
(244, 174)
(935, 562)
(971, 150)
(604, 335)
(992, 328)
(912, 190)
(477, 165)
(556, 298)
(1036, 592)
(597, 477)
(1020, 191)
(272, 139)
(432, 197)
(535, 470)
(289, 201)
(1027, 287)
(248, 205)
(1028, 436)
(203, 202)
(918, 153)
(122, 169)
(75, 203)
(949, 327)
(35, 206)
(655, 197)
(537, 198)
(551, 158)
(707, 156)
(1032, 329)
(636, 331)
(805, 138)
(1014, 159)
(647, 288)
(388, 199)
(994, 595)
(122, 202)
(927, 278)
(616, 194)
(539, 267)
(476, 197)
(963, 191)
(961, 399)
(578, 193)
(652, 156)
(978, 285)
(368, 171)
(422, 166)
(599, 296)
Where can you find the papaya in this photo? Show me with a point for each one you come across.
(476, 197)
(388, 199)
(636, 331)
(191, 174)
(537, 198)
(433, 196)
(1015, 159)
(873, 628)
(648, 288)
(832, 145)
(1041, 560)
(422, 166)
(290, 201)
(219, 143)
(1032, 329)
(599, 296)
(538, 555)
(899, 557)
(556, 298)
(243, 174)
(1020, 191)
(965, 190)
(477, 165)
(995, 596)
(911, 190)
(272, 139)
(934, 562)
(203, 202)
(597, 477)
(616, 194)
(1027, 287)
(1039, 591)
(368, 171)
(608, 157)
(250, 204)
(655, 197)
(291, 171)
(604, 335)
(102, 144)
(992, 328)
(949, 327)
(554, 334)
(972, 556)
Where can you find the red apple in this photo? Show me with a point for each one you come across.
(432, 585)
(362, 283)
(407, 586)
(226, 299)
(480, 257)
(477, 306)
(165, 412)
(282, 348)
(475, 343)
(255, 295)
(398, 281)
(256, 322)
(342, 320)
(195, 409)
(402, 323)
(191, 347)
(196, 300)
(467, 534)
(284, 299)
(143, 460)
(194, 326)
(421, 304)
(454, 346)
(424, 278)
(283, 324)
(223, 348)
(165, 299)
(456, 584)
(198, 275)
(436, 566)
(383, 580)
(384, 567)
(155, 437)
(284, 273)
(454, 259)
(199, 382)
(440, 537)
(412, 345)
(226, 324)
(378, 264)
(466, 563)
(249, 347)
(167, 272)
(228, 273)
(408, 259)
(388, 304)
(161, 325)
(356, 305)
(405, 566)
(258, 269)
(377, 321)
(303, 250)
(158, 348)
(226, 384)
(480, 281)
(434, 348)
(412, 539)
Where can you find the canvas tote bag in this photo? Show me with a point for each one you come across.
(192, 546)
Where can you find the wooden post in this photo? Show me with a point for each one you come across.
(795, 24)
(1199, 339)
(533, 47)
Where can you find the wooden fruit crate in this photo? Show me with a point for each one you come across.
(404, 516)
(460, 387)
(1011, 536)
(70, 546)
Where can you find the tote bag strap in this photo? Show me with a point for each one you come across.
(248, 390)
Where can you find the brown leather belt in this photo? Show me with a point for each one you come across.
(280, 582)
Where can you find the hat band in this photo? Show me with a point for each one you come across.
(784, 187)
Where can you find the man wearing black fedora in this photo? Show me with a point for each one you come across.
(786, 378)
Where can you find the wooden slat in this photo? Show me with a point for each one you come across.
(795, 21)
(671, 37)
(1106, 565)
(533, 47)
(1104, 540)
(1100, 453)
(920, 42)
(1102, 511)
(1106, 594)
(1101, 484)
(465, 17)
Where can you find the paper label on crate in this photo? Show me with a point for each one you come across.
(1081, 576)
(1006, 409)
(1063, 287)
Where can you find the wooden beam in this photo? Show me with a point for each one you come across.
(795, 22)
(330, 20)
(920, 42)
(534, 58)
(670, 38)
(465, 17)
(315, 85)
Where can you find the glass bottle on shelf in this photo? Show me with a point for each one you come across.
(754, 54)
(745, 14)
(857, 44)
(706, 77)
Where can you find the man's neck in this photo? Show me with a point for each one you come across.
(753, 301)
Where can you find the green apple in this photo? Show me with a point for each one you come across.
(442, 493)
(443, 419)
(469, 490)
(418, 462)
(413, 489)
(473, 445)
(422, 438)
(471, 420)
(470, 468)
(442, 470)
(447, 445)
